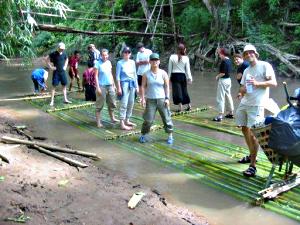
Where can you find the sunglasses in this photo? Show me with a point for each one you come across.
(127, 52)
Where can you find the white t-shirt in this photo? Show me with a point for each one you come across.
(262, 71)
(142, 56)
(183, 66)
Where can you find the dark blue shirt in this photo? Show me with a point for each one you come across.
(58, 60)
(226, 67)
(241, 69)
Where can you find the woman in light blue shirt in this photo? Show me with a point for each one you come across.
(126, 87)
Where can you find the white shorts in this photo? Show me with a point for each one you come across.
(249, 115)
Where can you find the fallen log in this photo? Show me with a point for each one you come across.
(51, 147)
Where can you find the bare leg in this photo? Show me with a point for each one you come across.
(180, 107)
(52, 96)
(65, 94)
(71, 84)
(98, 119)
(252, 144)
(112, 116)
(124, 126)
(78, 83)
(128, 123)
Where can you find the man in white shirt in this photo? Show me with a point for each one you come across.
(254, 95)
(142, 61)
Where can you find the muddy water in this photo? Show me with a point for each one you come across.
(178, 187)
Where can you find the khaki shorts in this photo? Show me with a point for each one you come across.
(108, 95)
(249, 115)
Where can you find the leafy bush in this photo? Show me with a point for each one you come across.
(194, 20)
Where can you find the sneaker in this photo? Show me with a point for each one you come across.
(250, 172)
(217, 119)
(142, 139)
(170, 140)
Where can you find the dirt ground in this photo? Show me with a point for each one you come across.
(42, 190)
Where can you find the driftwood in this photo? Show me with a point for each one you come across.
(51, 147)
(53, 28)
(4, 159)
(45, 151)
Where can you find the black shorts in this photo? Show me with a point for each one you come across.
(59, 76)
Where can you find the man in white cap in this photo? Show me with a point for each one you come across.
(254, 94)
(142, 61)
(58, 62)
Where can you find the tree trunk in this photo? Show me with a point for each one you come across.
(173, 22)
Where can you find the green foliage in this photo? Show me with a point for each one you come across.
(270, 34)
(198, 19)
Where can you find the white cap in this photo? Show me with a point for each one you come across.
(250, 47)
(61, 45)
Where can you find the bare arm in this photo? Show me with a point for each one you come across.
(142, 91)
(167, 89)
(66, 64)
(98, 90)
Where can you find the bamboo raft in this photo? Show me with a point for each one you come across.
(210, 161)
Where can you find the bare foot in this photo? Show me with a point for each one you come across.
(99, 125)
(124, 127)
(128, 123)
(115, 120)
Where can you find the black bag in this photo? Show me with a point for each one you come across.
(285, 133)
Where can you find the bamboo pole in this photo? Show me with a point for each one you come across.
(54, 28)
(33, 97)
(51, 147)
(63, 158)
(71, 107)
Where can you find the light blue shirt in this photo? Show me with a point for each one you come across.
(104, 72)
(155, 84)
(126, 71)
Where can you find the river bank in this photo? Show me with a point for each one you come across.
(48, 191)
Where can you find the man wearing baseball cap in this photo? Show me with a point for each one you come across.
(254, 95)
(142, 61)
(58, 62)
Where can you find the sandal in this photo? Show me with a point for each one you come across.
(229, 116)
(250, 172)
(245, 159)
